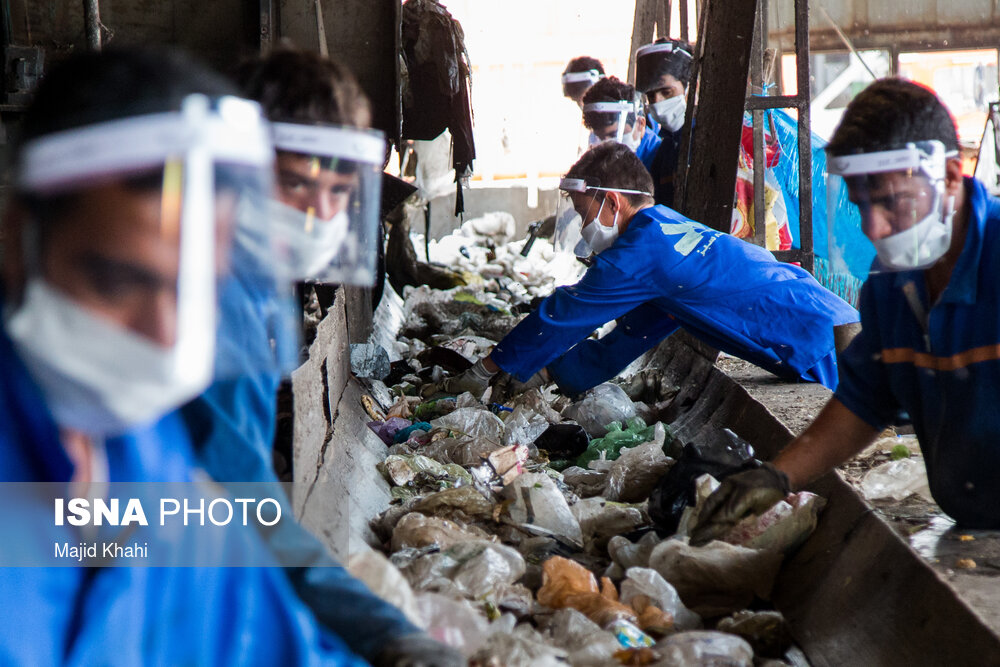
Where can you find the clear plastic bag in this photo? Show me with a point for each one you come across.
(537, 503)
(602, 405)
(416, 530)
(705, 647)
(617, 438)
(473, 422)
(385, 581)
(897, 480)
(643, 581)
(635, 474)
(600, 520)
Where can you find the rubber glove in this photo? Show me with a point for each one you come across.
(747, 493)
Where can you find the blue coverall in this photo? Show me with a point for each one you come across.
(941, 364)
(137, 615)
(646, 151)
(232, 425)
(666, 272)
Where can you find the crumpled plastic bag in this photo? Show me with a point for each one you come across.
(635, 432)
(416, 530)
(523, 426)
(585, 483)
(402, 470)
(635, 474)
(457, 623)
(385, 581)
(537, 503)
(717, 578)
(601, 519)
(783, 527)
(600, 406)
(766, 631)
(628, 554)
(646, 582)
(474, 422)
(535, 401)
(897, 480)
(475, 569)
(705, 647)
(588, 644)
(524, 646)
(463, 503)
(566, 583)
(387, 430)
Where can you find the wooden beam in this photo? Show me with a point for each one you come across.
(718, 115)
(642, 31)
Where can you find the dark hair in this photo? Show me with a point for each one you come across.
(584, 64)
(890, 113)
(301, 86)
(614, 165)
(610, 89)
(95, 87)
(650, 68)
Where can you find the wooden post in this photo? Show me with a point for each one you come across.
(92, 24)
(642, 31)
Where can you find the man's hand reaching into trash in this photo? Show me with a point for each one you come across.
(739, 496)
(475, 380)
(507, 386)
(418, 650)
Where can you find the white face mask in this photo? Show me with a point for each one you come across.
(97, 377)
(306, 245)
(670, 112)
(922, 244)
(597, 235)
(629, 139)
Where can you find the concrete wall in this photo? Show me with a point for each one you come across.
(478, 201)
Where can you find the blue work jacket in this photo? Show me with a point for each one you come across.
(666, 272)
(940, 364)
(138, 615)
(232, 426)
(646, 150)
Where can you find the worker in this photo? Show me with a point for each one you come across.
(662, 73)
(580, 74)
(657, 272)
(612, 111)
(128, 172)
(324, 213)
(930, 340)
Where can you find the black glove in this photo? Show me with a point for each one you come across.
(741, 495)
(507, 386)
(418, 650)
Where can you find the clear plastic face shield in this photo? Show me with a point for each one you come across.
(664, 94)
(615, 121)
(325, 212)
(900, 195)
(577, 226)
(126, 236)
(576, 84)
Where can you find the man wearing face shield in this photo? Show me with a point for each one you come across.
(127, 176)
(930, 331)
(611, 110)
(320, 225)
(580, 74)
(655, 272)
(662, 72)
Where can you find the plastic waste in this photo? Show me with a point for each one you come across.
(403, 434)
(600, 406)
(645, 582)
(629, 635)
(897, 480)
(538, 506)
(600, 520)
(718, 578)
(585, 483)
(386, 431)
(563, 441)
(436, 408)
(635, 432)
(705, 647)
(385, 581)
(369, 360)
(457, 623)
(765, 631)
(566, 583)
(635, 474)
(588, 644)
(523, 646)
(628, 555)
(507, 463)
(676, 490)
(781, 528)
(416, 530)
(473, 422)
(474, 568)
(523, 426)
(463, 503)
(402, 470)
(535, 401)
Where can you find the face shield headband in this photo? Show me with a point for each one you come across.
(622, 112)
(569, 222)
(650, 62)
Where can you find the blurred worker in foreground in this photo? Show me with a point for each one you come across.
(930, 338)
(129, 172)
(320, 225)
(613, 112)
(662, 73)
(657, 272)
(580, 74)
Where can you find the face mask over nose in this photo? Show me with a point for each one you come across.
(97, 377)
(597, 235)
(630, 140)
(921, 245)
(670, 112)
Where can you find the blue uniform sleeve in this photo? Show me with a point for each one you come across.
(864, 384)
(592, 362)
(569, 315)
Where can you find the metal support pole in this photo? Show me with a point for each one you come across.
(805, 133)
(757, 83)
(92, 23)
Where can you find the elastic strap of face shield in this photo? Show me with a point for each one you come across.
(579, 186)
(344, 143)
(929, 156)
(667, 47)
(591, 76)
